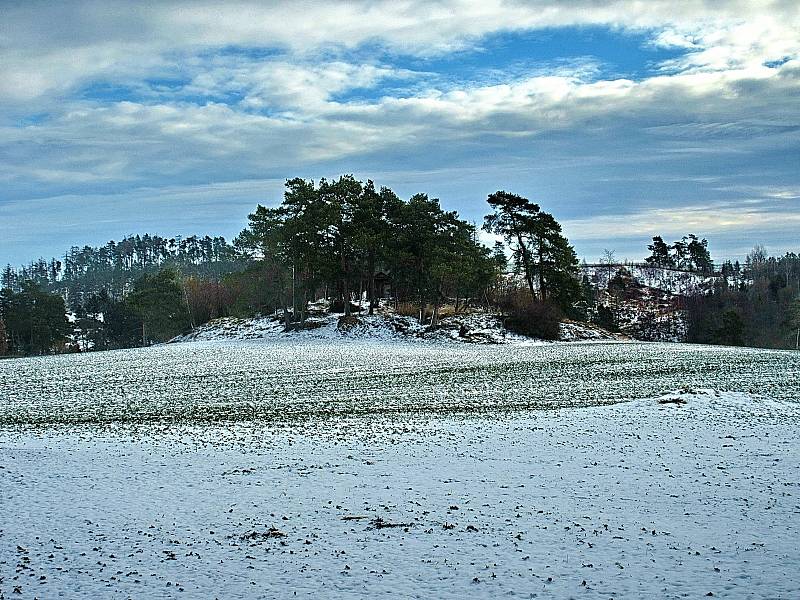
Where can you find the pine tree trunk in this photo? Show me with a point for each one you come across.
(542, 292)
(371, 267)
(345, 287)
(346, 298)
(526, 263)
(294, 303)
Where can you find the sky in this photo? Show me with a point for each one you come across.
(624, 119)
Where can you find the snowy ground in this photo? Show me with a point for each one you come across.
(301, 378)
(476, 328)
(679, 495)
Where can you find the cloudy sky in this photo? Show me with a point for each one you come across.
(624, 119)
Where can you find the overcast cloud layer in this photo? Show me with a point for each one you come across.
(625, 119)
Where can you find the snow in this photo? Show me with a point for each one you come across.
(233, 328)
(667, 280)
(572, 331)
(476, 328)
(685, 489)
(649, 306)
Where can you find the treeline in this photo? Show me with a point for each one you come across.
(353, 244)
(114, 267)
(110, 293)
(755, 304)
(341, 240)
(35, 321)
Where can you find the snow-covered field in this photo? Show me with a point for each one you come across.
(363, 469)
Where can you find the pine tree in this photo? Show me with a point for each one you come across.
(659, 253)
(538, 247)
(160, 303)
(698, 255)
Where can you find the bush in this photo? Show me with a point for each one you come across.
(348, 323)
(535, 319)
(408, 309)
(605, 318)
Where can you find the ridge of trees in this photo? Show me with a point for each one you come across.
(331, 239)
(113, 267)
(689, 253)
(340, 239)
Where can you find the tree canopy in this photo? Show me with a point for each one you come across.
(34, 321)
(689, 253)
(335, 236)
(539, 249)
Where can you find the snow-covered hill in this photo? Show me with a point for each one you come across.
(647, 303)
(672, 281)
(476, 328)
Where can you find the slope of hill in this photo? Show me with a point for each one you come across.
(475, 328)
(646, 303)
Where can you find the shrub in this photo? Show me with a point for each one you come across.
(408, 309)
(535, 319)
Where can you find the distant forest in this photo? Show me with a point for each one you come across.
(346, 240)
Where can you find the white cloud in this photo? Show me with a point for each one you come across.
(255, 90)
(704, 219)
(51, 47)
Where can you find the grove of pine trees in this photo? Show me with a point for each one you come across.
(333, 238)
(32, 321)
(689, 253)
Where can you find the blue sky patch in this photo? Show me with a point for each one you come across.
(592, 53)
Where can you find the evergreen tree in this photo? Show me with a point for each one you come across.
(680, 251)
(698, 255)
(112, 323)
(513, 219)
(35, 320)
(371, 232)
(731, 331)
(159, 302)
(538, 246)
(659, 253)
